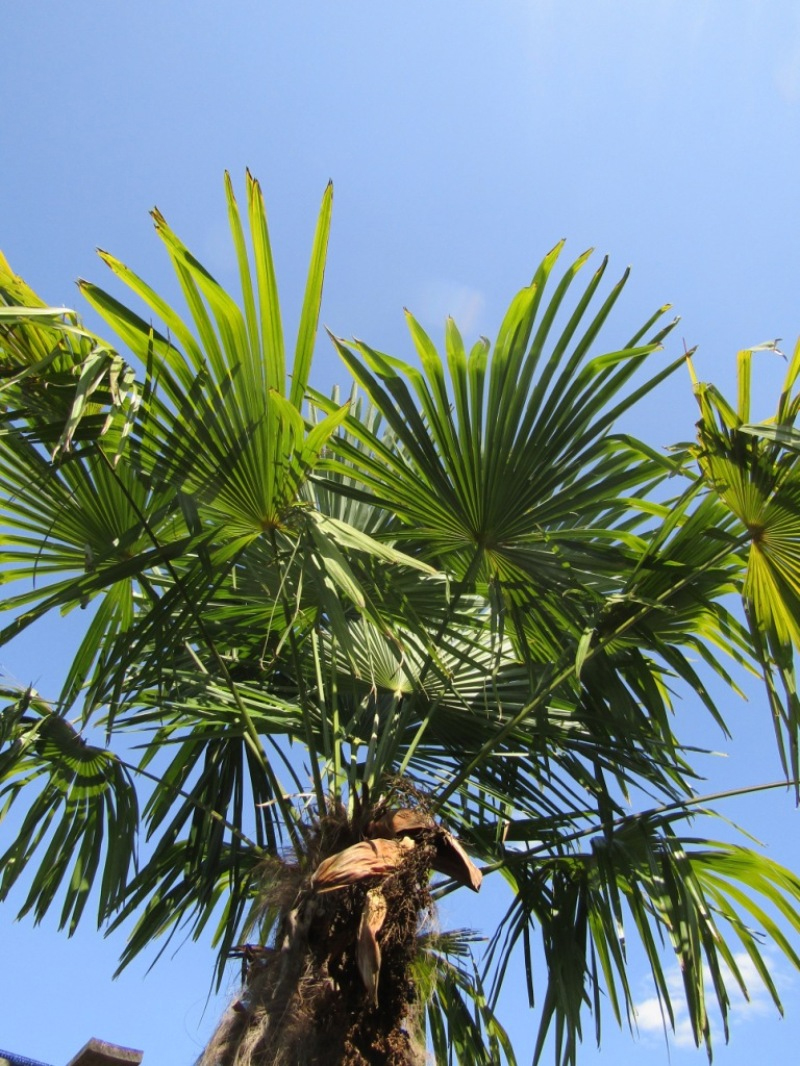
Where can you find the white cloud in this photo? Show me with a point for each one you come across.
(651, 1024)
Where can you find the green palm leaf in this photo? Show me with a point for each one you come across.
(501, 469)
(754, 471)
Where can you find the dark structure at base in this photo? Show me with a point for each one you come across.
(94, 1053)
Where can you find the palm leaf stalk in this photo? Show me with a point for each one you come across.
(434, 628)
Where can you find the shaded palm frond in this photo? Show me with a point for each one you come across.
(80, 825)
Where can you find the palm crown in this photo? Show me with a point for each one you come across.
(345, 636)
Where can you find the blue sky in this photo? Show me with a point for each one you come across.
(464, 139)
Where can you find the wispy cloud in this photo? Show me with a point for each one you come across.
(787, 74)
(440, 298)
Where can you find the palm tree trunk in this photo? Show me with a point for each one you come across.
(335, 988)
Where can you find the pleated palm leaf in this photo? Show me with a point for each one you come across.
(364, 643)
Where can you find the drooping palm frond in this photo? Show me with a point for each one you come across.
(695, 896)
(461, 1026)
(78, 829)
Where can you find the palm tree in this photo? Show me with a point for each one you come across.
(435, 628)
